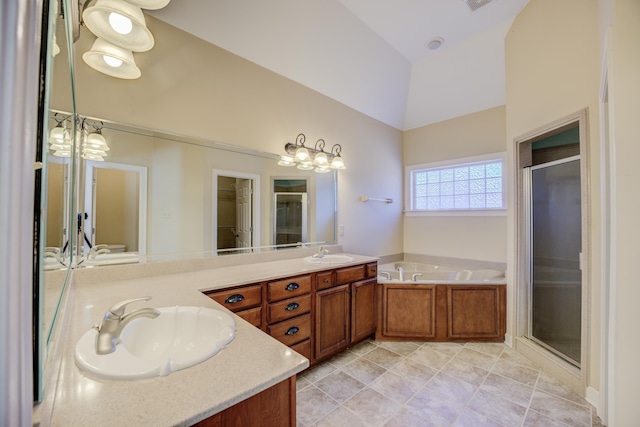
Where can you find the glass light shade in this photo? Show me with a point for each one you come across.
(61, 146)
(149, 4)
(321, 159)
(322, 169)
(93, 157)
(98, 19)
(337, 162)
(95, 141)
(93, 151)
(121, 24)
(286, 161)
(305, 166)
(62, 153)
(95, 58)
(302, 155)
(58, 135)
(55, 48)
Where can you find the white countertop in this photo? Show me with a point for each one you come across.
(251, 363)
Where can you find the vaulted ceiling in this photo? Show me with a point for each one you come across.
(370, 55)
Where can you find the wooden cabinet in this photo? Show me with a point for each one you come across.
(245, 301)
(273, 407)
(363, 313)
(332, 320)
(317, 314)
(408, 311)
(476, 312)
(345, 313)
(441, 312)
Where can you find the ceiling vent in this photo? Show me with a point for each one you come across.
(476, 4)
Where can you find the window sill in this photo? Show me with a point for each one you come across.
(466, 212)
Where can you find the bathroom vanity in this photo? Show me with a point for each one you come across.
(253, 376)
(317, 314)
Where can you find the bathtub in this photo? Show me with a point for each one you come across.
(421, 273)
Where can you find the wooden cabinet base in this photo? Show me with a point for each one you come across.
(420, 312)
(273, 407)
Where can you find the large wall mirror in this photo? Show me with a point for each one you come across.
(151, 196)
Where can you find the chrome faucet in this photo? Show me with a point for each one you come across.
(385, 274)
(401, 274)
(114, 322)
(415, 276)
(97, 250)
(321, 252)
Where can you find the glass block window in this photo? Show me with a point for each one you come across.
(467, 186)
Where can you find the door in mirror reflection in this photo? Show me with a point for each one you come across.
(235, 208)
(290, 211)
(115, 207)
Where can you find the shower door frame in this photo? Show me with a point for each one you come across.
(576, 378)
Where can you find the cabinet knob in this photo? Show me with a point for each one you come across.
(326, 280)
(291, 286)
(292, 306)
(235, 298)
(292, 330)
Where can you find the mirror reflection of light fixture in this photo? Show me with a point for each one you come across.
(59, 138)
(149, 4)
(94, 146)
(120, 23)
(316, 158)
(111, 60)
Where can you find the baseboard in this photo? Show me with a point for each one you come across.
(593, 397)
(508, 340)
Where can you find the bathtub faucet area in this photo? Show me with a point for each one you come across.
(425, 273)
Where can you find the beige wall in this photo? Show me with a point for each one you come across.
(624, 101)
(472, 237)
(193, 88)
(552, 70)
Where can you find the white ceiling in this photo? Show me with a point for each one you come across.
(370, 55)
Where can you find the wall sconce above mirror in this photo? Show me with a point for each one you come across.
(315, 159)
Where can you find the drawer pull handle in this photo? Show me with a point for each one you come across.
(234, 299)
(326, 280)
(292, 306)
(373, 270)
(291, 286)
(292, 330)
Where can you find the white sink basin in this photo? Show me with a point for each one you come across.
(179, 338)
(330, 259)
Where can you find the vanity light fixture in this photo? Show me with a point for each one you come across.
(59, 138)
(94, 146)
(315, 159)
(120, 28)
(111, 60)
(120, 23)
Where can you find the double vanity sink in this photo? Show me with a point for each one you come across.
(193, 361)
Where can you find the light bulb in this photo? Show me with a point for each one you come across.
(121, 24)
(111, 61)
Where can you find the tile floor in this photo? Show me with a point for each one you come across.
(435, 384)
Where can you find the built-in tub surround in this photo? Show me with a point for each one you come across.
(251, 363)
(414, 272)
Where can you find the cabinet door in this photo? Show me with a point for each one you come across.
(476, 312)
(408, 311)
(332, 320)
(363, 303)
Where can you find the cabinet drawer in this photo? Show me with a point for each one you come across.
(239, 298)
(304, 348)
(252, 315)
(325, 280)
(351, 274)
(292, 331)
(288, 308)
(288, 288)
(372, 270)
